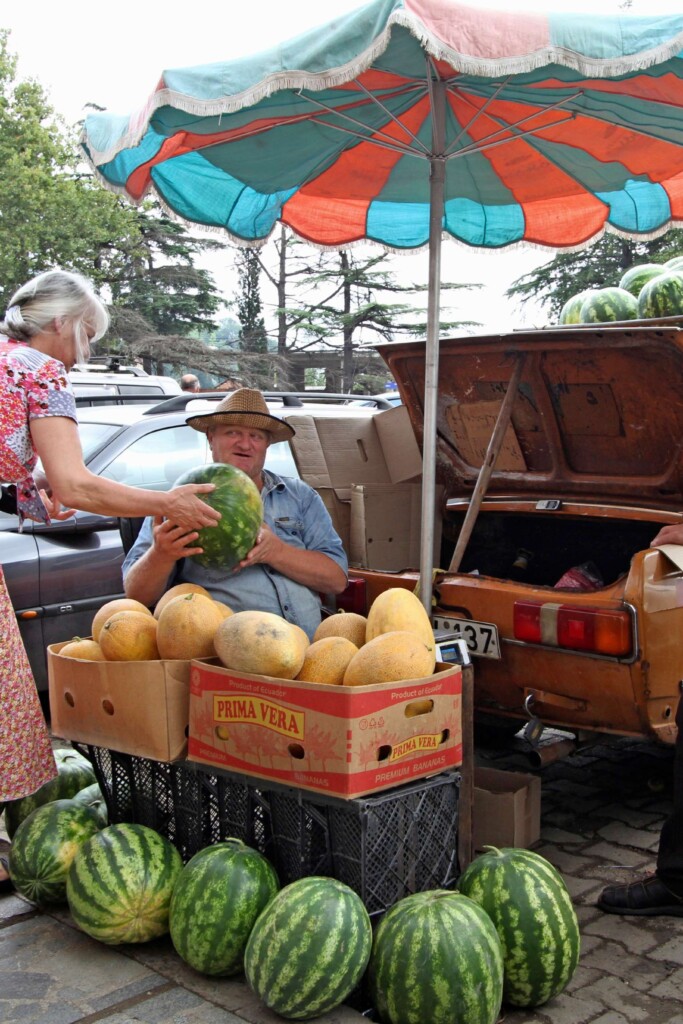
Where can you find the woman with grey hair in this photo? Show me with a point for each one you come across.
(50, 323)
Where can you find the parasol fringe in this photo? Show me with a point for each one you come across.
(317, 81)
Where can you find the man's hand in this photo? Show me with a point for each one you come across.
(671, 534)
(264, 550)
(173, 542)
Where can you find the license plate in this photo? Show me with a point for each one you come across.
(481, 637)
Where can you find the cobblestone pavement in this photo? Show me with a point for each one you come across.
(602, 809)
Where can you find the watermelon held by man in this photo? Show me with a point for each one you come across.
(662, 296)
(609, 305)
(238, 500)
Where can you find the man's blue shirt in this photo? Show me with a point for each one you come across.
(296, 514)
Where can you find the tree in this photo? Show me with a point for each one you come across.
(253, 339)
(50, 215)
(332, 300)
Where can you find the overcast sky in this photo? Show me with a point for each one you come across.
(112, 54)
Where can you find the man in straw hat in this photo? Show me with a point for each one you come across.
(297, 555)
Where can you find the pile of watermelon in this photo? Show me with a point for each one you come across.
(646, 291)
(508, 935)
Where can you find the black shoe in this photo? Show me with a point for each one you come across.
(648, 896)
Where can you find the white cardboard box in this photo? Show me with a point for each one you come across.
(506, 808)
(386, 526)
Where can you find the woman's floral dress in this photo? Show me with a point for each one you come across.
(31, 386)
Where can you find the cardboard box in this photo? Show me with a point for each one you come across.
(506, 808)
(341, 740)
(339, 451)
(136, 707)
(386, 526)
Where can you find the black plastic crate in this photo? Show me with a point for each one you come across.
(190, 808)
(385, 847)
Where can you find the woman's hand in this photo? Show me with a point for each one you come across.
(54, 507)
(671, 534)
(185, 508)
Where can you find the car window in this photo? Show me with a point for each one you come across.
(94, 435)
(157, 460)
(279, 459)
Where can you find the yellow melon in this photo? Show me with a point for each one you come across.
(224, 609)
(119, 604)
(262, 643)
(346, 624)
(390, 658)
(84, 649)
(186, 627)
(326, 660)
(176, 591)
(399, 609)
(129, 636)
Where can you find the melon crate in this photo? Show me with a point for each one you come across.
(384, 846)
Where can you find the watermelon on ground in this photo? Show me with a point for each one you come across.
(238, 500)
(45, 844)
(436, 959)
(309, 948)
(74, 774)
(571, 311)
(528, 902)
(92, 797)
(662, 296)
(637, 277)
(120, 883)
(609, 305)
(217, 897)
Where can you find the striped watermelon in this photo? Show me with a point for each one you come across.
(120, 883)
(92, 797)
(217, 897)
(607, 305)
(675, 263)
(238, 500)
(74, 774)
(526, 898)
(309, 948)
(44, 845)
(571, 311)
(635, 278)
(436, 959)
(662, 296)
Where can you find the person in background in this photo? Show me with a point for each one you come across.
(297, 555)
(51, 322)
(661, 893)
(189, 382)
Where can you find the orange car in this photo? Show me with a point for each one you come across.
(570, 615)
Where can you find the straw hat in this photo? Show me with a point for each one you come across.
(244, 408)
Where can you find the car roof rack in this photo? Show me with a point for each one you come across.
(288, 399)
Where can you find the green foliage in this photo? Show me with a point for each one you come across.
(50, 214)
(600, 265)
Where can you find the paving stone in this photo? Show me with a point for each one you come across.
(635, 934)
(671, 951)
(670, 986)
(620, 856)
(617, 832)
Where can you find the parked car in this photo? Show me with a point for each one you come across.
(58, 575)
(572, 618)
(109, 379)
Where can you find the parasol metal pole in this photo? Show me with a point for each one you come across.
(487, 467)
(436, 208)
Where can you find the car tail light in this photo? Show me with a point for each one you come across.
(599, 630)
(354, 598)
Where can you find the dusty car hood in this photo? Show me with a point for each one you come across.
(598, 413)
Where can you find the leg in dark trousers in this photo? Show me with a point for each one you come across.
(661, 893)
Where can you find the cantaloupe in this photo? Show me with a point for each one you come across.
(224, 609)
(347, 624)
(129, 636)
(326, 660)
(187, 625)
(262, 643)
(390, 658)
(176, 591)
(399, 609)
(119, 604)
(84, 649)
